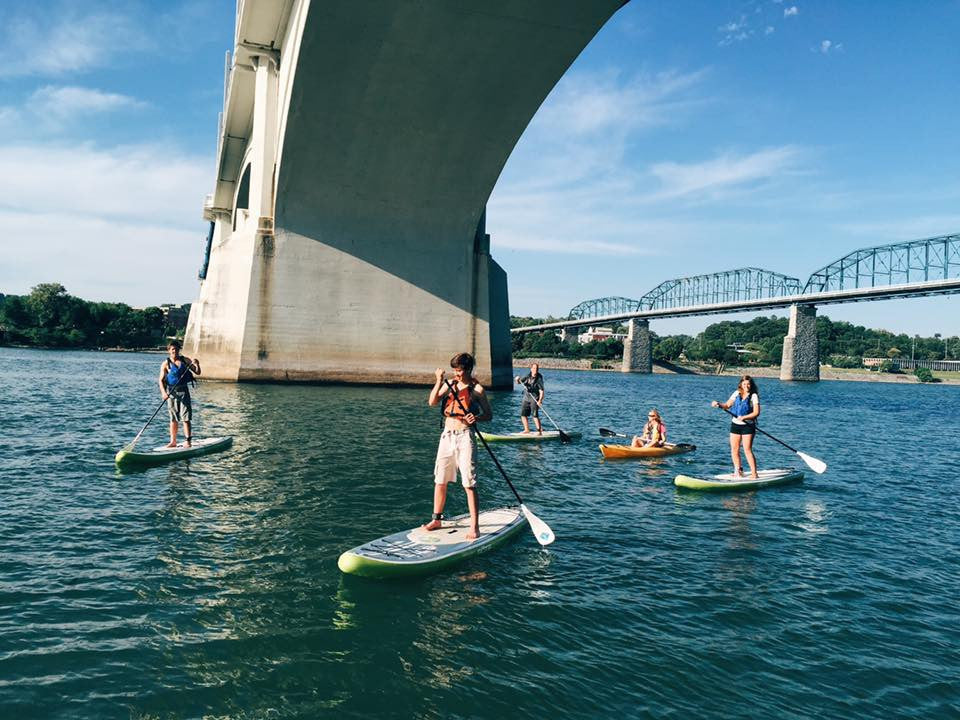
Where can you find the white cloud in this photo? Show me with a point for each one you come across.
(148, 183)
(69, 101)
(735, 31)
(769, 30)
(67, 39)
(724, 172)
(828, 46)
(791, 11)
(122, 222)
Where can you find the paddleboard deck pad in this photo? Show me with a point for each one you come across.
(529, 437)
(419, 551)
(164, 454)
(616, 452)
(733, 482)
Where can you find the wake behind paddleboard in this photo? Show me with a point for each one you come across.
(730, 481)
(162, 454)
(529, 437)
(419, 551)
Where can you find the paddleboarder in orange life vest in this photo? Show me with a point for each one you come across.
(456, 447)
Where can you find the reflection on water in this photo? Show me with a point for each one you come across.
(209, 587)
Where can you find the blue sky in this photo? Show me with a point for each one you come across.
(688, 138)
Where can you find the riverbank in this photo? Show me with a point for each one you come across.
(826, 373)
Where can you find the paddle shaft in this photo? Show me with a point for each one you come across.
(757, 428)
(563, 435)
(493, 457)
(162, 402)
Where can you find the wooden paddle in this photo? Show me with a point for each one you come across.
(541, 531)
(818, 466)
(564, 438)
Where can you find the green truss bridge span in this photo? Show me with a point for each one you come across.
(907, 269)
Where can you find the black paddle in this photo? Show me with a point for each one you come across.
(818, 466)
(564, 438)
(129, 447)
(604, 432)
(541, 531)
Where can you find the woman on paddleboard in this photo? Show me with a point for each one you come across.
(654, 432)
(175, 374)
(464, 404)
(744, 405)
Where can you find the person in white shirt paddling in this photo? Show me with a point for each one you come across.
(744, 405)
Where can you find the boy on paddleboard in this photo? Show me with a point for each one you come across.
(466, 405)
(175, 373)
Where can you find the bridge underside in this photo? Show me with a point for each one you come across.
(367, 261)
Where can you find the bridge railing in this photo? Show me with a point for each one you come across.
(936, 258)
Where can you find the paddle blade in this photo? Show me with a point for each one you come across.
(564, 438)
(604, 432)
(818, 466)
(541, 531)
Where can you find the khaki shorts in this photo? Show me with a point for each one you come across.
(181, 411)
(455, 452)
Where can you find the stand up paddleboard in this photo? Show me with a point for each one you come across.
(532, 436)
(419, 551)
(158, 455)
(617, 452)
(733, 482)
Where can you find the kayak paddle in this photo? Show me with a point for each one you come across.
(162, 402)
(818, 466)
(604, 432)
(541, 531)
(564, 438)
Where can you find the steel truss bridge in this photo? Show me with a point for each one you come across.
(907, 269)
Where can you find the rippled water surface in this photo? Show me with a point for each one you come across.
(209, 587)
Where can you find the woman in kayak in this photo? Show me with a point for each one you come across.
(466, 405)
(744, 405)
(654, 432)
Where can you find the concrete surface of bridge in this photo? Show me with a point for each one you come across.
(359, 144)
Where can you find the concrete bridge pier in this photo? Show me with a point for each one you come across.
(801, 348)
(638, 348)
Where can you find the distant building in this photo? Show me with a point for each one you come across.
(176, 315)
(599, 333)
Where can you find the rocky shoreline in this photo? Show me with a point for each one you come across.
(826, 373)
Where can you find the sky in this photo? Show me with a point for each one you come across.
(688, 138)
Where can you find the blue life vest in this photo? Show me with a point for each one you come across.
(741, 406)
(174, 373)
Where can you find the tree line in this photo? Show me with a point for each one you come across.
(759, 341)
(49, 317)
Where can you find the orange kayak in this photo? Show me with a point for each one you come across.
(625, 451)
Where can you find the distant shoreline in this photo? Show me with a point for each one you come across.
(826, 373)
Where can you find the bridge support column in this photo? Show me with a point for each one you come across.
(801, 349)
(638, 348)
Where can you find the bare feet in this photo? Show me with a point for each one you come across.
(473, 534)
(738, 472)
(432, 525)
(171, 444)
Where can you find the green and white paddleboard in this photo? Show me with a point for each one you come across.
(734, 482)
(162, 454)
(532, 436)
(419, 551)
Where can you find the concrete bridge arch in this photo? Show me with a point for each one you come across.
(375, 133)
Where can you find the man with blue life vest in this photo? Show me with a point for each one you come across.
(175, 374)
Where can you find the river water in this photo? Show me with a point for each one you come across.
(209, 587)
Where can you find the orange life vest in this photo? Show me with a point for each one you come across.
(451, 408)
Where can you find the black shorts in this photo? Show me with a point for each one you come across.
(529, 407)
(745, 429)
